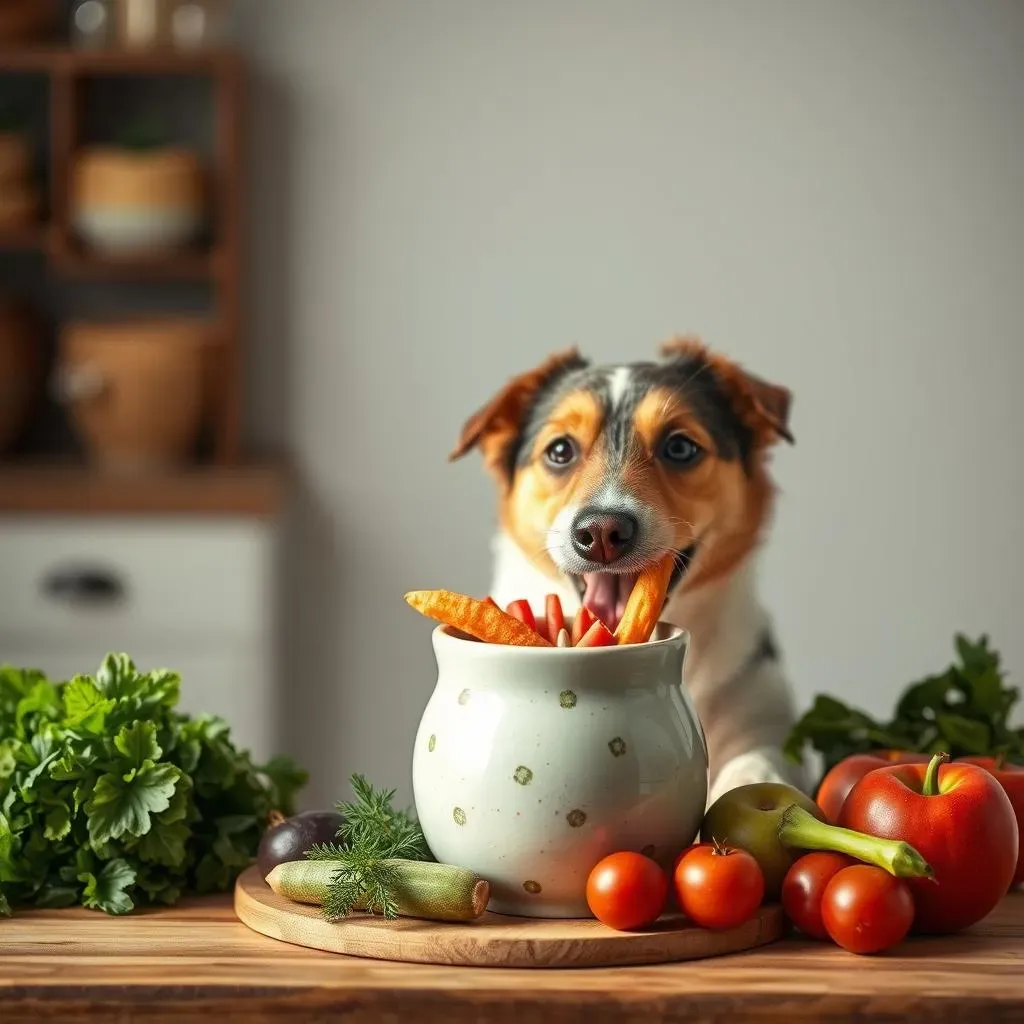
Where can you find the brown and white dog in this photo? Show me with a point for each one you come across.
(605, 469)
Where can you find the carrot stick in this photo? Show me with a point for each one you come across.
(477, 618)
(522, 611)
(598, 636)
(585, 618)
(554, 617)
(645, 603)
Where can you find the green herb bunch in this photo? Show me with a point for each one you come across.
(110, 798)
(373, 834)
(964, 710)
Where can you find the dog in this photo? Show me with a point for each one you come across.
(602, 470)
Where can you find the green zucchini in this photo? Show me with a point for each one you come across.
(423, 889)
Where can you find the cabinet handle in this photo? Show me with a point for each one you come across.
(96, 587)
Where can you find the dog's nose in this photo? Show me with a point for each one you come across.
(601, 536)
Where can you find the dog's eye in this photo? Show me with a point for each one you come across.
(560, 453)
(680, 450)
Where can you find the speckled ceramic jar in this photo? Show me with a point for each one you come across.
(531, 764)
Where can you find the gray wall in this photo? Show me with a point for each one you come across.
(448, 190)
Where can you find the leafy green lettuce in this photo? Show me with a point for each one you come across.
(964, 710)
(110, 798)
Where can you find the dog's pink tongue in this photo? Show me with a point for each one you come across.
(606, 594)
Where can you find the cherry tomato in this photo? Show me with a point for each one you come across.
(804, 886)
(717, 886)
(627, 890)
(866, 910)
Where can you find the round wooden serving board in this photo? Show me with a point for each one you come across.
(494, 940)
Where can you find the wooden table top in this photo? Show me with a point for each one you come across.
(196, 960)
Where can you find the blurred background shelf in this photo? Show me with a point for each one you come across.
(83, 265)
(128, 140)
(58, 487)
(34, 238)
(163, 61)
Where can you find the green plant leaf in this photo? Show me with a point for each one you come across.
(964, 709)
(56, 897)
(108, 891)
(84, 706)
(138, 743)
(165, 844)
(103, 771)
(58, 822)
(961, 736)
(121, 806)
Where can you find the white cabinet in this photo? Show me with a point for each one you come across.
(193, 594)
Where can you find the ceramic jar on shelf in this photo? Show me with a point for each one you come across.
(145, 202)
(136, 390)
(185, 24)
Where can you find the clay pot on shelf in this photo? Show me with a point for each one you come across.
(21, 370)
(134, 390)
(138, 202)
(19, 194)
(27, 21)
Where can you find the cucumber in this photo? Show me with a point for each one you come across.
(424, 889)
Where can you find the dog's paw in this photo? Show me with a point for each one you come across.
(747, 769)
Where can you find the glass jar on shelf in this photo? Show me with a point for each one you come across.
(92, 24)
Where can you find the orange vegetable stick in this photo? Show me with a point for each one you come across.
(585, 618)
(478, 618)
(554, 617)
(522, 611)
(645, 603)
(490, 600)
(598, 636)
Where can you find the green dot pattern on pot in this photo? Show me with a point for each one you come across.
(532, 887)
(459, 816)
(523, 775)
(431, 743)
(617, 746)
(464, 697)
(576, 818)
(567, 699)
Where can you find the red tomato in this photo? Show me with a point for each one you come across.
(836, 785)
(718, 887)
(866, 910)
(1011, 778)
(959, 819)
(804, 886)
(627, 890)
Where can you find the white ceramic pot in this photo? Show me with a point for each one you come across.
(531, 764)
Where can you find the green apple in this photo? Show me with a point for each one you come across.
(776, 823)
(749, 817)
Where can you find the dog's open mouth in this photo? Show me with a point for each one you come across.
(606, 593)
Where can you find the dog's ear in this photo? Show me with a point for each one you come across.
(764, 408)
(495, 427)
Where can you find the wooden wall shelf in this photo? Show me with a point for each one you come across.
(60, 60)
(254, 489)
(73, 78)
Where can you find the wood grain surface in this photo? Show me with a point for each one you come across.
(494, 940)
(196, 961)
